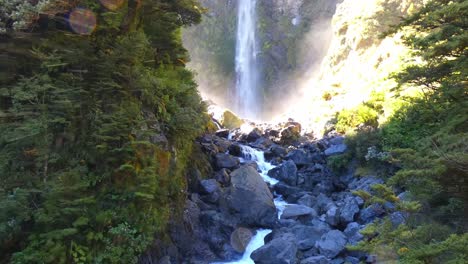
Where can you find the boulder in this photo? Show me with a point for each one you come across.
(254, 135)
(286, 172)
(315, 260)
(209, 186)
(226, 161)
(240, 238)
(349, 210)
(331, 244)
(336, 149)
(290, 133)
(230, 120)
(294, 210)
(278, 151)
(281, 250)
(307, 200)
(235, 150)
(352, 233)
(300, 157)
(369, 213)
(307, 236)
(249, 197)
(332, 216)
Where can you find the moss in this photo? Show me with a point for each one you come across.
(230, 120)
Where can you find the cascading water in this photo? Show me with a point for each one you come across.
(246, 93)
(251, 154)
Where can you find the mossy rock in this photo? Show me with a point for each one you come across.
(231, 121)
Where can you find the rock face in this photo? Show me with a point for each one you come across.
(281, 250)
(250, 198)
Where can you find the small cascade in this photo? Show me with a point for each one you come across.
(258, 156)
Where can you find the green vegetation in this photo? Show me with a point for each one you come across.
(91, 125)
(421, 148)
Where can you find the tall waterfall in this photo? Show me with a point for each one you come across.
(247, 96)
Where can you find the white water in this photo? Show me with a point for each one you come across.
(258, 239)
(246, 94)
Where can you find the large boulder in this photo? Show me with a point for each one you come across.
(331, 244)
(290, 133)
(281, 250)
(250, 198)
(301, 157)
(226, 161)
(240, 238)
(230, 120)
(286, 172)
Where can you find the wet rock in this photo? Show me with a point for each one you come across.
(315, 260)
(336, 149)
(286, 172)
(281, 250)
(285, 190)
(240, 238)
(331, 244)
(250, 198)
(226, 161)
(235, 150)
(293, 211)
(224, 133)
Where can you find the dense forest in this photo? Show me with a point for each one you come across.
(98, 115)
(100, 118)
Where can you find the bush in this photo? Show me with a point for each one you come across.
(348, 120)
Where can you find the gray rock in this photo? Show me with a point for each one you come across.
(352, 233)
(294, 210)
(281, 250)
(254, 135)
(226, 161)
(250, 198)
(352, 260)
(315, 260)
(307, 200)
(349, 210)
(235, 150)
(165, 260)
(307, 236)
(300, 157)
(332, 216)
(278, 151)
(368, 214)
(286, 172)
(331, 244)
(398, 218)
(336, 149)
(209, 186)
(364, 183)
(337, 140)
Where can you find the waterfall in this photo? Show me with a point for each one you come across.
(247, 96)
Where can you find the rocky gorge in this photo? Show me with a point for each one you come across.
(271, 185)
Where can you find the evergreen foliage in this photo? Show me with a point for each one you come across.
(86, 173)
(422, 147)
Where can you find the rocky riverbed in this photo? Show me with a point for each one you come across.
(316, 214)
